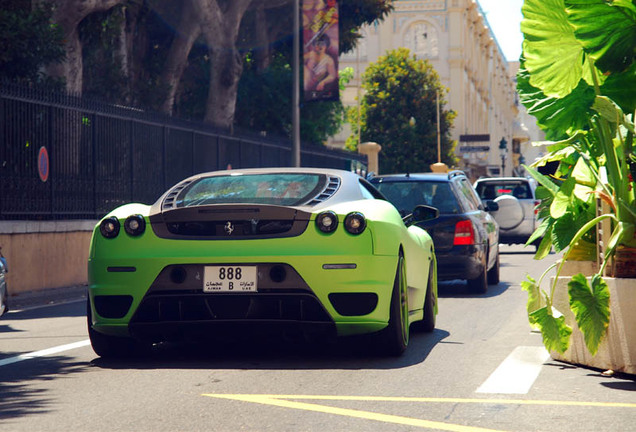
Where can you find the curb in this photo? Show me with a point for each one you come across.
(47, 297)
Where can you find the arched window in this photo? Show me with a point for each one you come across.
(421, 38)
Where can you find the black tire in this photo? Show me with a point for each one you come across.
(4, 300)
(479, 285)
(395, 338)
(493, 273)
(112, 347)
(427, 324)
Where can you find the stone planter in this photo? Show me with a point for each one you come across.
(618, 350)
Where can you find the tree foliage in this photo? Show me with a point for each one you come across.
(227, 62)
(29, 40)
(399, 112)
(578, 78)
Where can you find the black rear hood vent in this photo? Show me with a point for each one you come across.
(230, 222)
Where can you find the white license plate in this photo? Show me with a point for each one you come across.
(229, 279)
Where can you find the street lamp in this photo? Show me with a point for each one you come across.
(522, 160)
(503, 151)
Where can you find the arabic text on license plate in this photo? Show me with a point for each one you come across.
(229, 279)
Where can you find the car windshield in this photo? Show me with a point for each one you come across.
(276, 189)
(405, 195)
(492, 190)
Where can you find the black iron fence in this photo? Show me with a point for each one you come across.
(63, 157)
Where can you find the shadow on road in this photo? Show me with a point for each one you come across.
(75, 308)
(460, 289)
(21, 393)
(357, 353)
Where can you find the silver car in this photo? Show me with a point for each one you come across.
(517, 214)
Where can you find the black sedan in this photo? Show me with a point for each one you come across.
(466, 236)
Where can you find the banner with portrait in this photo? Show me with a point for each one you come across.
(320, 50)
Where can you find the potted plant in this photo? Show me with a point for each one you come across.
(578, 78)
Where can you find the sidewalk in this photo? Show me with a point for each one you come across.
(49, 296)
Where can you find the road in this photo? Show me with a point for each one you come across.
(481, 369)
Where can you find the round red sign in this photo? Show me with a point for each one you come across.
(43, 164)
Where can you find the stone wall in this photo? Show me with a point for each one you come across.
(49, 254)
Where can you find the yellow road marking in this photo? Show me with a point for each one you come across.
(285, 402)
(434, 400)
(385, 418)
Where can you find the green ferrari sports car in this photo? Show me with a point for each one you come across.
(297, 251)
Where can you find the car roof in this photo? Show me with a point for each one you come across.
(502, 179)
(346, 189)
(429, 176)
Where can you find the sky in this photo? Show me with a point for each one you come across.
(504, 17)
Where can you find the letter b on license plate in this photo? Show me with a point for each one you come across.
(229, 279)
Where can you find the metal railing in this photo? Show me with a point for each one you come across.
(64, 157)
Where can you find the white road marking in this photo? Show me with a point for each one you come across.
(42, 353)
(517, 373)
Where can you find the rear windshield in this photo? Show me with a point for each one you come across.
(408, 194)
(277, 189)
(492, 190)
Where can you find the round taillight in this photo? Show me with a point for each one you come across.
(135, 225)
(355, 223)
(327, 221)
(109, 227)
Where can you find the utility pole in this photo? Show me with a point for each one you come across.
(296, 91)
(438, 167)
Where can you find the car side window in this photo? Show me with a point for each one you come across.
(369, 192)
(492, 190)
(468, 195)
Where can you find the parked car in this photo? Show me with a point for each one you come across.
(4, 303)
(517, 212)
(465, 235)
(244, 252)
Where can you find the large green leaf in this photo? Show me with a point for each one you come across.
(563, 199)
(554, 57)
(534, 295)
(621, 88)
(545, 247)
(591, 308)
(557, 114)
(544, 181)
(538, 233)
(556, 333)
(606, 30)
(608, 109)
(585, 181)
(563, 231)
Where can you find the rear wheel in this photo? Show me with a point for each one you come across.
(3, 300)
(479, 285)
(111, 346)
(396, 335)
(493, 273)
(428, 322)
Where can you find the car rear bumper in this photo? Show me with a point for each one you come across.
(517, 235)
(460, 262)
(312, 299)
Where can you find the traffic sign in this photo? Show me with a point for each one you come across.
(474, 149)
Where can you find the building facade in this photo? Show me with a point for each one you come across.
(527, 134)
(455, 37)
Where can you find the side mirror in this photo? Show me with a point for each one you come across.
(421, 213)
(491, 206)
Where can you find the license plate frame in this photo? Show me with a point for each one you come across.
(230, 279)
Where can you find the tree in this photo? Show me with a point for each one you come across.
(68, 14)
(262, 57)
(399, 112)
(28, 41)
(188, 57)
